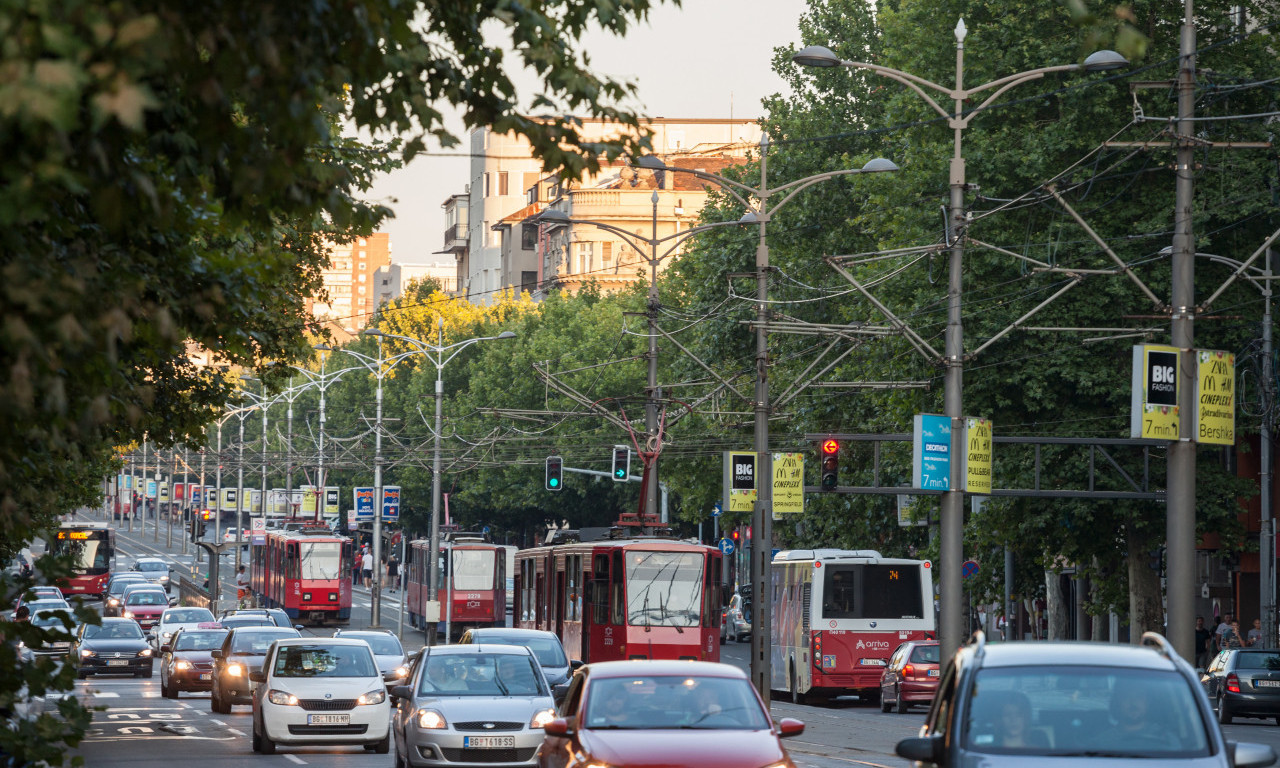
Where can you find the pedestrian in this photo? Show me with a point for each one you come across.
(355, 571)
(242, 586)
(393, 572)
(366, 565)
(1255, 634)
(1204, 643)
(1232, 638)
(1223, 628)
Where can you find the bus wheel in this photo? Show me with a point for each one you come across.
(796, 696)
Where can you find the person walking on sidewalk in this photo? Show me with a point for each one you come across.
(393, 573)
(366, 565)
(242, 586)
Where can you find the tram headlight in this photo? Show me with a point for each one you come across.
(306, 597)
(333, 597)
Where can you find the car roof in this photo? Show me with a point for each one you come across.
(263, 628)
(664, 668)
(512, 632)
(116, 620)
(334, 641)
(149, 559)
(474, 649)
(363, 632)
(1074, 654)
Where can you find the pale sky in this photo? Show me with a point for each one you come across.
(706, 59)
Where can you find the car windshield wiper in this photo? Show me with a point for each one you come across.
(1096, 753)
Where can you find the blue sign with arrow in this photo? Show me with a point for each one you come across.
(726, 546)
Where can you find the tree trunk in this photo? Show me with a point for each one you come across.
(1146, 612)
(1055, 606)
(1099, 634)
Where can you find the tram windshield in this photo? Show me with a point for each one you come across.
(321, 560)
(473, 569)
(664, 589)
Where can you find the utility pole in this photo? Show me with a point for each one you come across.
(1266, 558)
(1181, 510)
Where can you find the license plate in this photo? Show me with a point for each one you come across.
(488, 742)
(117, 662)
(1266, 683)
(206, 676)
(932, 673)
(328, 719)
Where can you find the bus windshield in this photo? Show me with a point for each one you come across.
(321, 560)
(91, 554)
(664, 589)
(871, 591)
(473, 569)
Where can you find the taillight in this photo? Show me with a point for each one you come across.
(1233, 683)
(908, 671)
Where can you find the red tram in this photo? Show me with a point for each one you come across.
(472, 582)
(307, 573)
(628, 597)
(92, 546)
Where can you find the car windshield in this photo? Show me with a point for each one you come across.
(198, 641)
(147, 598)
(481, 674)
(664, 702)
(118, 587)
(1084, 711)
(256, 643)
(1257, 660)
(382, 645)
(48, 619)
(547, 650)
(187, 616)
(154, 565)
(664, 589)
(116, 630)
(324, 661)
(925, 654)
(248, 621)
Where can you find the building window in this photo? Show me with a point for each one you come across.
(528, 236)
(486, 184)
(362, 290)
(363, 277)
(502, 183)
(362, 252)
(586, 257)
(529, 281)
(362, 241)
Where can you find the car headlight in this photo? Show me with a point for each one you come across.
(128, 614)
(144, 652)
(429, 718)
(113, 601)
(282, 698)
(85, 653)
(541, 719)
(235, 670)
(373, 697)
(401, 672)
(182, 665)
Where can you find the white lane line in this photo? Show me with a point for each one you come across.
(295, 759)
(233, 730)
(105, 695)
(218, 722)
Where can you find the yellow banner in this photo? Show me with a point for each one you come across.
(788, 483)
(1215, 397)
(1154, 401)
(977, 464)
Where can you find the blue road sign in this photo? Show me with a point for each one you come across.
(726, 546)
(969, 568)
(484, 529)
(715, 509)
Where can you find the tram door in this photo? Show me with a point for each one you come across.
(595, 616)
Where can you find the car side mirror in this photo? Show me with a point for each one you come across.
(789, 726)
(173, 600)
(558, 692)
(258, 677)
(926, 749)
(402, 692)
(216, 653)
(558, 727)
(1250, 755)
(388, 677)
(299, 627)
(577, 664)
(166, 648)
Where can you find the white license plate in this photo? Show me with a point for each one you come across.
(932, 673)
(117, 662)
(206, 676)
(328, 719)
(488, 742)
(1266, 683)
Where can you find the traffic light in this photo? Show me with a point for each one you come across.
(830, 464)
(621, 463)
(555, 473)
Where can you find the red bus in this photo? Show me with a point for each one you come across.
(630, 597)
(837, 616)
(92, 547)
(306, 573)
(472, 579)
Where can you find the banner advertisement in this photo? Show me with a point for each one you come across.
(391, 502)
(331, 506)
(977, 455)
(164, 492)
(362, 500)
(310, 500)
(180, 492)
(1153, 401)
(931, 452)
(788, 484)
(228, 501)
(740, 480)
(908, 514)
(254, 500)
(152, 488)
(278, 502)
(197, 496)
(1215, 397)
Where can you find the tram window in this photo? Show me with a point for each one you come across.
(572, 594)
(616, 603)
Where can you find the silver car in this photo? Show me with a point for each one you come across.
(387, 652)
(481, 704)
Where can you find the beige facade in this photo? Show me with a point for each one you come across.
(391, 281)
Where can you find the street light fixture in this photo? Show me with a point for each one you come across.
(951, 624)
(384, 366)
(760, 212)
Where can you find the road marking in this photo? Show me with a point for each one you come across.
(105, 694)
(295, 759)
(218, 722)
(233, 730)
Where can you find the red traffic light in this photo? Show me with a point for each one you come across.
(830, 446)
(735, 535)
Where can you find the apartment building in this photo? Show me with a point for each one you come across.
(390, 282)
(349, 284)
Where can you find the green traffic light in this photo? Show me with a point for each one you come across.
(553, 482)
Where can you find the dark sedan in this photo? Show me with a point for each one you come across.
(241, 653)
(111, 598)
(186, 663)
(1244, 682)
(114, 647)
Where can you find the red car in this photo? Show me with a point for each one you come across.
(145, 606)
(911, 676)
(186, 663)
(675, 714)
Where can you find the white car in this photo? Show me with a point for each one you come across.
(175, 619)
(154, 568)
(320, 691)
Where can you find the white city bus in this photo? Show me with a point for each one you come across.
(839, 614)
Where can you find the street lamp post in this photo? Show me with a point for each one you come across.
(760, 213)
(439, 361)
(951, 625)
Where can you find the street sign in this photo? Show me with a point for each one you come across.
(931, 452)
(969, 569)
(258, 531)
(716, 509)
(726, 546)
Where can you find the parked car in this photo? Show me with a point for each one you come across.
(387, 652)
(471, 703)
(1017, 704)
(186, 661)
(677, 714)
(242, 652)
(1244, 682)
(116, 646)
(734, 625)
(320, 691)
(911, 677)
(175, 619)
(154, 568)
(546, 647)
